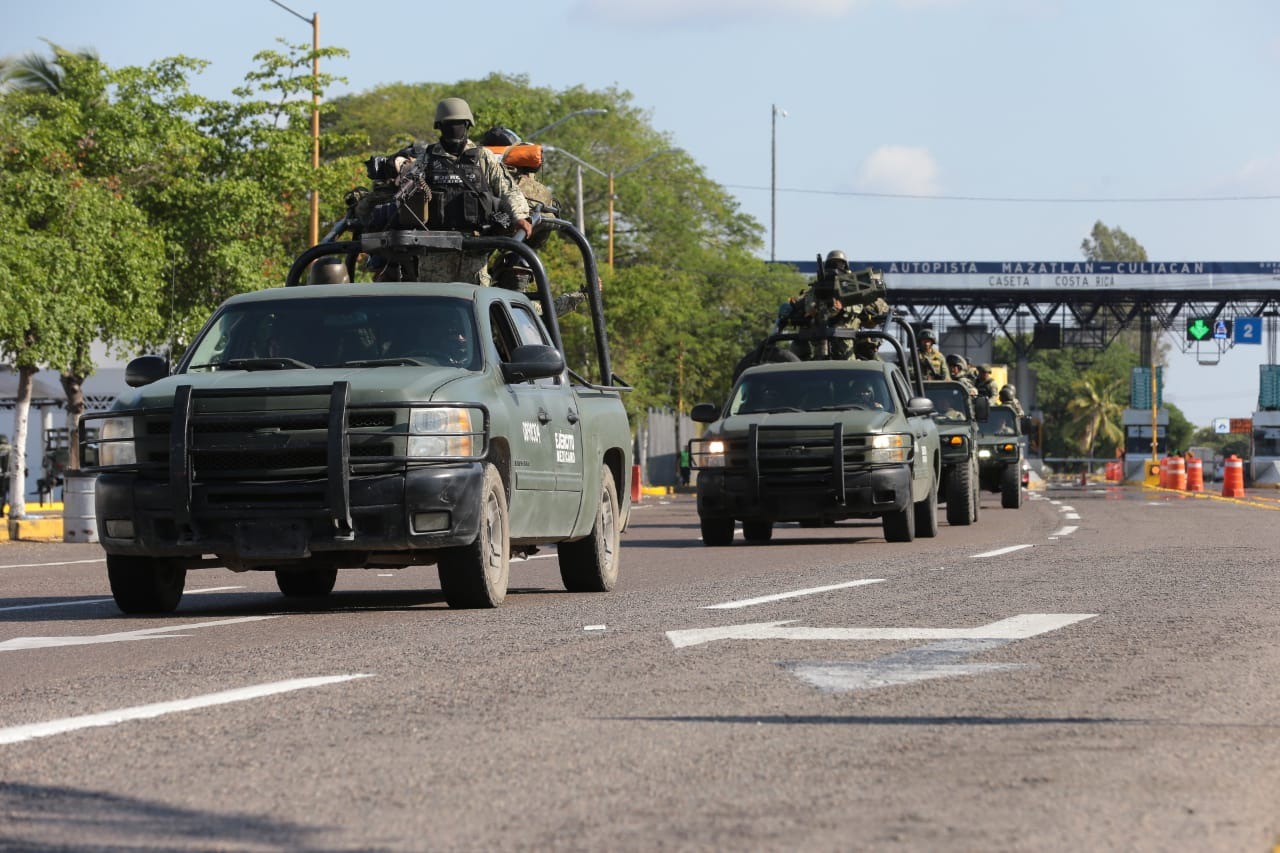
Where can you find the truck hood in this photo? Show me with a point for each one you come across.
(368, 384)
(854, 420)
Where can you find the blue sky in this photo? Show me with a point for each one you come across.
(1073, 103)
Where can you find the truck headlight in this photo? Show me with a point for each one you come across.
(116, 445)
(894, 447)
(444, 431)
(984, 454)
(709, 454)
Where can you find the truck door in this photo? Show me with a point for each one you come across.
(541, 505)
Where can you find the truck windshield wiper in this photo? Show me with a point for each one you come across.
(268, 363)
(395, 361)
(842, 407)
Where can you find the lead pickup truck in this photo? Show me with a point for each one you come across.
(352, 426)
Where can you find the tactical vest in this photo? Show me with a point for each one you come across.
(460, 196)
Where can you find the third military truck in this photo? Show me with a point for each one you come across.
(957, 414)
(314, 428)
(1002, 454)
(815, 442)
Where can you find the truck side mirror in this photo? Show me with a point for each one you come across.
(918, 407)
(144, 370)
(532, 361)
(704, 413)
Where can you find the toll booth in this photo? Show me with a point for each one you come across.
(1137, 441)
(1264, 460)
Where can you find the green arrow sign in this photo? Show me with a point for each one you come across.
(1198, 329)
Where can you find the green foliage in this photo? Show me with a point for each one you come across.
(1111, 244)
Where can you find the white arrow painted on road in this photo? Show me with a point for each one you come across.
(167, 632)
(1014, 628)
(937, 660)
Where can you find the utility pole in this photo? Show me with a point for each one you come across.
(773, 184)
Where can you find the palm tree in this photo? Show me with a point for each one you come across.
(37, 73)
(1096, 411)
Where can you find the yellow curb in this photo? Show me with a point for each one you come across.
(656, 491)
(34, 529)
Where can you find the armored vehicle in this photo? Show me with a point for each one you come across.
(816, 442)
(322, 427)
(1001, 454)
(957, 415)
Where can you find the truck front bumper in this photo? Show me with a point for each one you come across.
(273, 523)
(868, 492)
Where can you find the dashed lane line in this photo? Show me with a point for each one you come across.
(748, 602)
(31, 731)
(80, 602)
(999, 551)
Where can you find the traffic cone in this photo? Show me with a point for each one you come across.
(1177, 473)
(636, 491)
(1195, 474)
(1164, 473)
(1233, 477)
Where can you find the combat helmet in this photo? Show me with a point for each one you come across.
(1008, 394)
(453, 109)
(329, 270)
(836, 260)
(498, 136)
(512, 272)
(955, 360)
(926, 335)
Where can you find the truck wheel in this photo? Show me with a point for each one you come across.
(927, 515)
(311, 584)
(717, 532)
(900, 524)
(757, 532)
(591, 564)
(960, 496)
(475, 575)
(145, 584)
(1010, 488)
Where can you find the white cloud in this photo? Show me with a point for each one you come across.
(1258, 176)
(899, 169)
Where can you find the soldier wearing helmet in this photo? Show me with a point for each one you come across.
(840, 299)
(986, 383)
(932, 362)
(1009, 397)
(468, 190)
(959, 370)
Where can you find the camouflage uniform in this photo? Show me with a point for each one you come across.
(839, 299)
(1008, 397)
(932, 362)
(959, 371)
(986, 384)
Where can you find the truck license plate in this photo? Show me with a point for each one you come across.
(271, 539)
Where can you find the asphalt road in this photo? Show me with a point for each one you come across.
(1097, 670)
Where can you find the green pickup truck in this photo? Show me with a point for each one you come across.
(1001, 454)
(313, 428)
(957, 414)
(816, 442)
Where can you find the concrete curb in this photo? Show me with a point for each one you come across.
(32, 530)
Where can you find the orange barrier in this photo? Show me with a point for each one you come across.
(636, 491)
(1233, 477)
(1195, 474)
(1177, 473)
(1164, 473)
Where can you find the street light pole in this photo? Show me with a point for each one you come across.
(581, 164)
(773, 184)
(619, 174)
(557, 122)
(314, 21)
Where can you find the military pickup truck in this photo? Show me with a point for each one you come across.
(816, 442)
(353, 426)
(1001, 454)
(957, 414)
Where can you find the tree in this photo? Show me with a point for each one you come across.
(1095, 411)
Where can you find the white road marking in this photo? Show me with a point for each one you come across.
(748, 602)
(1066, 509)
(534, 557)
(1064, 531)
(1014, 628)
(1071, 516)
(18, 734)
(82, 601)
(936, 660)
(997, 552)
(165, 633)
(594, 627)
(43, 565)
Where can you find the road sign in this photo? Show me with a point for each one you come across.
(1248, 330)
(1199, 329)
(1221, 330)
(1221, 426)
(1242, 425)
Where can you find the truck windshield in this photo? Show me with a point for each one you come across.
(340, 331)
(950, 403)
(811, 391)
(1001, 421)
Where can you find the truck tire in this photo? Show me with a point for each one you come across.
(310, 584)
(1010, 487)
(900, 524)
(145, 584)
(757, 532)
(476, 575)
(961, 495)
(716, 532)
(591, 564)
(927, 514)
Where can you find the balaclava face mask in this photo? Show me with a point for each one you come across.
(453, 136)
